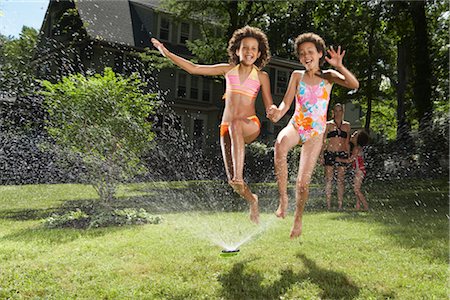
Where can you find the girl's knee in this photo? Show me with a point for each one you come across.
(235, 126)
(302, 186)
(281, 150)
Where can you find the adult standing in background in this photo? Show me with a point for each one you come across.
(336, 144)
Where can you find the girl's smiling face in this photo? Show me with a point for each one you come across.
(309, 56)
(248, 52)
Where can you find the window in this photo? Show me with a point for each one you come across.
(163, 123)
(182, 85)
(185, 32)
(194, 87)
(164, 28)
(206, 90)
(281, 82)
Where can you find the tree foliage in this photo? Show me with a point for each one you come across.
(373, 34)
(104, 120)
(16, 71)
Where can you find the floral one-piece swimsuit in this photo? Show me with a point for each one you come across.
(311, 104)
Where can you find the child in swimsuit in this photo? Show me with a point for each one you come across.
(248, 52)
(359, 139)
(311, 89)
(336, 144)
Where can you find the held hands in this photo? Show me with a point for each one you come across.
(273, 113)
(336, 57)
(158, 45)
(321, 160)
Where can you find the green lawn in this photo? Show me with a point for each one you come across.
(398, 250)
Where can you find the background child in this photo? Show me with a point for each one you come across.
(248, 52)
(311, 89)
(358, 140)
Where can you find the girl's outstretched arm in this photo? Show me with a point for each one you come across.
(191, 68)
(343, 77)
(288, 97)
(265, 90)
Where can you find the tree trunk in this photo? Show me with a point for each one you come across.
(403, 129)
(369, 80)
(422, 83)
(233, 13)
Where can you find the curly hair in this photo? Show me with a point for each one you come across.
(316, 40)
(253, 32)
(363, 138)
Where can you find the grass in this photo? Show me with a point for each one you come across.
(398, 250)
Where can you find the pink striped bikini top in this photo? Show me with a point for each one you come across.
(249, 87)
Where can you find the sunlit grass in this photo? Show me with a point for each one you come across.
(398, 250)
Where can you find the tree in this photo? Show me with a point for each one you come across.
(16, 75)
(103, 120)
(22, 111)
(422, 82)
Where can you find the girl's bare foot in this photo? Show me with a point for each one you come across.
(296, 230)
(282, 208)
(254, 210)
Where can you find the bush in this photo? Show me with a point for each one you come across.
(116, 217)
(103, 119)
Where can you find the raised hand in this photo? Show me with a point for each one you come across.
(160, 46)
(336, 57)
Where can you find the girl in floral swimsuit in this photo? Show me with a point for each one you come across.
(311, 89)
(248, 52)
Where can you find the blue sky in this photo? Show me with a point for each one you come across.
(17, 13)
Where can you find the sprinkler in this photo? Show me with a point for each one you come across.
(229, 253)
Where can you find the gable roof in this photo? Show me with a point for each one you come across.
(108, 21)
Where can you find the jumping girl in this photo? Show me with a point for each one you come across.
(311, 89)
(248, 51)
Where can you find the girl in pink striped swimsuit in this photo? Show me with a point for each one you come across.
(311, 89)
(248, 52)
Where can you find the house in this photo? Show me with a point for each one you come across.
(78, 36)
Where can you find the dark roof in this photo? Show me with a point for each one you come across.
(148, 3)
(115, 21)
(108, 21)
(121, 22)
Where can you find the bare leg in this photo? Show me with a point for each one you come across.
(340, 185)
(240, 133)
(308, 158)
(286, 140)
(225, 145)
(329, 184)
(360, 198)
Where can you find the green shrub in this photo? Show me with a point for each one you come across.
(75, 219)
(116, 217)
(103, 119)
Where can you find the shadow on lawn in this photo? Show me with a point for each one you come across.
(56, 236)
(238, 284)
(157, 201)
(413, 228)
